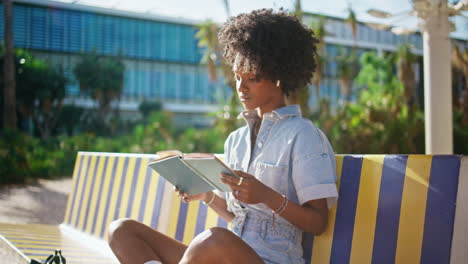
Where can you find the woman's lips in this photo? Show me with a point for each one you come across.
(244, 98)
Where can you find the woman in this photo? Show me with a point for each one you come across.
(286, 165)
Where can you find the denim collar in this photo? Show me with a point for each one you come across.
(282, 112)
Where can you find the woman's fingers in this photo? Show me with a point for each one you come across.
(231, 185)
(232, 179)
(243, 174)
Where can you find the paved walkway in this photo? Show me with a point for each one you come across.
(42, 203)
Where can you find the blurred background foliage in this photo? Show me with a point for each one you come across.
(386, 115)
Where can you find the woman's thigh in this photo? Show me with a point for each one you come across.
(128, 233)
(219, 245)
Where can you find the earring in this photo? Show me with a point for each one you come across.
(278, 82)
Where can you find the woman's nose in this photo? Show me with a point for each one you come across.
(239, 84)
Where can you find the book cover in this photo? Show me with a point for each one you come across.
(192, 173)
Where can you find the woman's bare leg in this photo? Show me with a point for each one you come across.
(219, 245)
(134, 242)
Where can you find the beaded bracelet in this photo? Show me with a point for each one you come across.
(211, 200)
(280, 209)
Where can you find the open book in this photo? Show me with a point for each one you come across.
(192, 173)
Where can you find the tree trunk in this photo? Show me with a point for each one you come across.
(9, 104)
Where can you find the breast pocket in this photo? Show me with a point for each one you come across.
(274, 176)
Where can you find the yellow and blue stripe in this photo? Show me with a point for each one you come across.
(391, 208)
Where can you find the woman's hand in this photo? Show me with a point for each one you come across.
(198, 197)
(247, 188)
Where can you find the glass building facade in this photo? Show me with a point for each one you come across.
(161, 56)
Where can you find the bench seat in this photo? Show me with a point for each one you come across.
(391, 209)
(35, 241)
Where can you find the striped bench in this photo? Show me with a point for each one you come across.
(391, 209)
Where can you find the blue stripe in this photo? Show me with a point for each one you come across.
(91, 192)
(109, 195)
(388, 212)
(133, 188)
(157, 205)
(440, 209)
(222, 222)
(201, 219)
(144, 198)
(121, 188)
(179, 235)
(307, 244)
(86, 177)
(98, 205)
(78, 177)
(346, 209)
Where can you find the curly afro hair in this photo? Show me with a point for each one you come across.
(272, 45)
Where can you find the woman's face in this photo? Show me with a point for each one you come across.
(261, 93)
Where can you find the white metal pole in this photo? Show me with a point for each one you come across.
(437, 77)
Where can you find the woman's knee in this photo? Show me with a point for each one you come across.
(120, 228)
(207, 247)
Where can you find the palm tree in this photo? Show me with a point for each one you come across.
(348, 63)
(9, 103)
(352, 21)
(460, 64)
(207, 38)
(405, 61)
(318, 26)
(347, 71)
(301, 95)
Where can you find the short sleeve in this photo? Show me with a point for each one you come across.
(313, 167)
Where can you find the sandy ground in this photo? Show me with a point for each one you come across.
(41, 203)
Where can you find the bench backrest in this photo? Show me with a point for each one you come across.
(391, 209)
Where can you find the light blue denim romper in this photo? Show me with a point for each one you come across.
(294, 158)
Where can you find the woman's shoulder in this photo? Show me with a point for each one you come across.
(301, 126)
(309, 135)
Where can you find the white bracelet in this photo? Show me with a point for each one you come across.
(211, 200)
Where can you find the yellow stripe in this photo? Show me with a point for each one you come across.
(115, 193)
(97, 184)
(105, 192)
(53, 247)
(151, 199)
(322, 244)
(171, 230)
(366, 209)
(66, 253)
(70, 243)
(211, 219)
(38, 239)
(191, 222)
(70, 196)
(413, 209)
(139, 188)
(127, 187)
(32, 231)
(86, 192)
(44, 235)
(79, 189)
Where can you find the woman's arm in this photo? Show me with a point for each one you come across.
(311, 217)
(218, 204)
